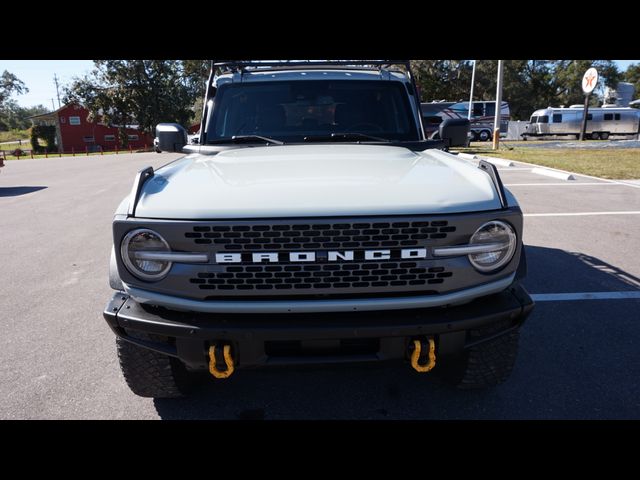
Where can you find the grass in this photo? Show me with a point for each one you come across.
(26, 145)
(615, 164)
(15, 135)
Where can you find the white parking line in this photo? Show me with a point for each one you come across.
(580, 214)
(605, 184)
(563, 297)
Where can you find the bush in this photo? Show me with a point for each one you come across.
(46, 132)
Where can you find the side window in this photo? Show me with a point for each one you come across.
(478, 109)
(617, 116)
(557, 118)
(589, 116)
(490, 109)
(608, 116)
(543, 119)
(534, 119)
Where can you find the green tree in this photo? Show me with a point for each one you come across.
(528, 84)
(10, 84)
(145, 92)
(632, 75)
(442, 79)
(567, 79)
(196, 73)
(13, 116)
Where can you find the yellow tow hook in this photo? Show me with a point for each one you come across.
(213, 369)
(415, 356)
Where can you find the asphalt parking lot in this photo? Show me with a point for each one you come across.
(578, 357)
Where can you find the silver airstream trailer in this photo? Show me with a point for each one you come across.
(601, 122)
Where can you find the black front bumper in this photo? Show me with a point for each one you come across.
(270, 339)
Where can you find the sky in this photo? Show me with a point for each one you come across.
(38, 77)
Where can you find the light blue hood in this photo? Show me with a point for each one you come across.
(316, 180)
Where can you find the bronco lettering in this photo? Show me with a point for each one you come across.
(321, 257)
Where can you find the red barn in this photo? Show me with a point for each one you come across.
(75, 133)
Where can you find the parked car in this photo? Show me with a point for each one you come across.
(315, 223)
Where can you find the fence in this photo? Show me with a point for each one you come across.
(29, 153)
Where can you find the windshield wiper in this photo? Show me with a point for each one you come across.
(339, 137)
(248, 139)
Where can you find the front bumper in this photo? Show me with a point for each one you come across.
(270, 339)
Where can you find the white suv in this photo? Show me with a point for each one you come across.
(313, 222)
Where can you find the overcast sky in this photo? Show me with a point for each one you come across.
(38, 77)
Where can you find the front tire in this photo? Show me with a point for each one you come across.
(151, 374)
(485, 365)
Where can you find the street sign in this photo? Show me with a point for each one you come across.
(589, 80)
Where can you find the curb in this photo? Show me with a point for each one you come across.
(553, 173)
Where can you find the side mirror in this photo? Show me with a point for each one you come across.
(455, 132)
(171, 137)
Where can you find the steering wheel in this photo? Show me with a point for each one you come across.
(376, 128)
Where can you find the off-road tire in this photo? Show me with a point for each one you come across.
(485, 365)
(151, 374)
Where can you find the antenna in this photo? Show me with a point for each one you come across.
(55, 79)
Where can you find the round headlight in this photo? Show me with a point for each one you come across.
(135, 244)
(502, 237)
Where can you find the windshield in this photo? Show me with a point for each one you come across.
(289, 111)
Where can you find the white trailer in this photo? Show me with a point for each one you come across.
(601, 122)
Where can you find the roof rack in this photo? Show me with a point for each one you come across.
(240, 65)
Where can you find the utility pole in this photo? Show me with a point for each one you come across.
(473, 81)
(498, 110)
(55, 79)
(53, 105)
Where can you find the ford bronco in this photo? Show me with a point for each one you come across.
(313, 222)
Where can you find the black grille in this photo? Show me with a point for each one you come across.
(313, 236)
(367, 275)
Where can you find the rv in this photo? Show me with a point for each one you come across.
(482, 117)
(601, 122)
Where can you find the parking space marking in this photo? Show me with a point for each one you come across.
(606, 184)
(580, 214)
(514, 169)
(627, 184)
(564, 297)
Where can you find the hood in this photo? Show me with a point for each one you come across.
(315, 180)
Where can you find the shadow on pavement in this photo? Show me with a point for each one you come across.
(17, 191)
(578, 360)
